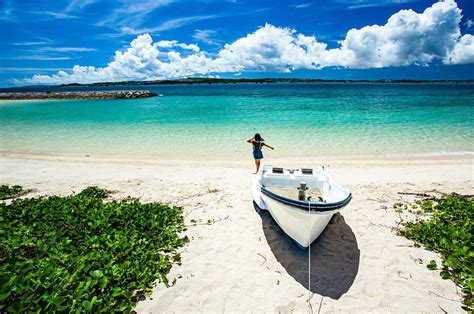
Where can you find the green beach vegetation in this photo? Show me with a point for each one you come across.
(84, 253)
(7, 191)
(446, 226)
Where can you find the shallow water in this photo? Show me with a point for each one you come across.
(214, 121)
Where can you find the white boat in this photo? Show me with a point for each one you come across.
(301, 201)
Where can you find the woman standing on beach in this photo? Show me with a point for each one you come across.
(258, 143)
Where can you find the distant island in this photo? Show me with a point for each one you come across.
(113, 94)
(53, 89)
(257, 80)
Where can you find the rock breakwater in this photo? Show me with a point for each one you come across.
(113, 94)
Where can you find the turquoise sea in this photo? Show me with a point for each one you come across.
(213, 121)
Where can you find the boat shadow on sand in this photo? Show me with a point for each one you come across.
(334, 257)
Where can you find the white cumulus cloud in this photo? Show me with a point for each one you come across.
(463, 52)
(271, 48)
(406, 38)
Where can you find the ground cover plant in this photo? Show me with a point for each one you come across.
(446, 225)
(81, 253)
(7, 191)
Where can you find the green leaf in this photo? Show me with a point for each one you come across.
(432, 265)
(97, 273)
(444, 274)
(87, 305)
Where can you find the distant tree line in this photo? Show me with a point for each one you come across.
(257, 80)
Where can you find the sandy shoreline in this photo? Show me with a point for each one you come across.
(246, 161)
(243, 262)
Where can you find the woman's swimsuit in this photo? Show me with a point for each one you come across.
(257, 149)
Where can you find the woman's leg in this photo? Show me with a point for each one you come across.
(257, 163)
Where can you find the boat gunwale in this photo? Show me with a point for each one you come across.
(305, 205)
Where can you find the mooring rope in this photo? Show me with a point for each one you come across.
(309, 258)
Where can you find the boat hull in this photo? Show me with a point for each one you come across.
(302, 220)
(257, 195)
(302, 226)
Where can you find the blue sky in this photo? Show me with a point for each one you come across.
(237, 38)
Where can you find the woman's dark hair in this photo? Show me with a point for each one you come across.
(257, 137)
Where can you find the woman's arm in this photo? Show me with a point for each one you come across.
(250, 140)
(272, 148)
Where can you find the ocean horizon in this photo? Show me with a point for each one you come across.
(302, 120)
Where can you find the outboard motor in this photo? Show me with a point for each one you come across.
(302, 191)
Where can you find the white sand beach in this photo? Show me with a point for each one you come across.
(242, 262)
